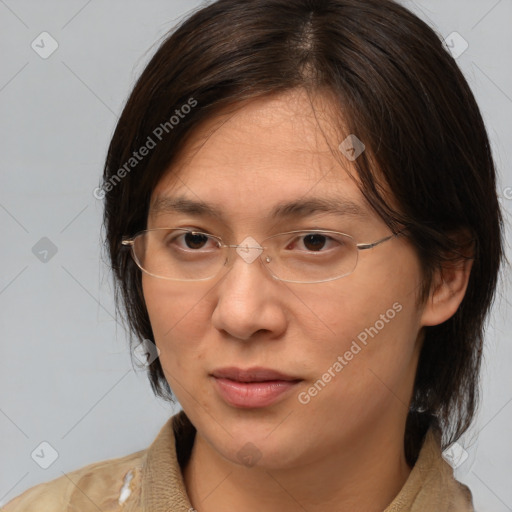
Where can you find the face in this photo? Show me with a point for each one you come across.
(350, 346)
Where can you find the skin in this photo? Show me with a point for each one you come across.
(344, 449)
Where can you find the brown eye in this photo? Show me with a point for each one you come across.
(195, 240)
(314, 242)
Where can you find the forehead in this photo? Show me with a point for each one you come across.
(262, 156)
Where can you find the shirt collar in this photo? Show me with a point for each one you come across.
(430, 485)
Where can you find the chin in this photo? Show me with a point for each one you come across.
(259, 450)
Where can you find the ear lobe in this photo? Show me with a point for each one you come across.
(447, 291)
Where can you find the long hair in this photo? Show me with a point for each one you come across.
(393, 83)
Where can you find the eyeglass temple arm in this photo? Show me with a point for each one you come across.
(362, 247)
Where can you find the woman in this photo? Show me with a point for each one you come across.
(302, 220)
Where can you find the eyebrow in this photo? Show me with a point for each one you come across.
(299, 208)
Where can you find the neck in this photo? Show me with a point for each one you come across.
(364, 475)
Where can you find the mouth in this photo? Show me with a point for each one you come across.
(255, 374)
(253, 387)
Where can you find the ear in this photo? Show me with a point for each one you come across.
(448, 288)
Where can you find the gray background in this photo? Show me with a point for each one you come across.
(66, 376)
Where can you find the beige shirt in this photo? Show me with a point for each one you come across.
(151, 481)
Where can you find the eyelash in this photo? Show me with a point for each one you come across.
(292, 240)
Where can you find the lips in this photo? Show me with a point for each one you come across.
(252, 387)
(255, 374)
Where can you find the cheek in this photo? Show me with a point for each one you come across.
(359, 333)
(179, 318)
(364, 371)
(371, 324)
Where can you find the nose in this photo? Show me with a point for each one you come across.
(248, 299)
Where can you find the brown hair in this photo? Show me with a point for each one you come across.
(399, 90)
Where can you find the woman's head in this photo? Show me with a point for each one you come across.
(247, 105)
